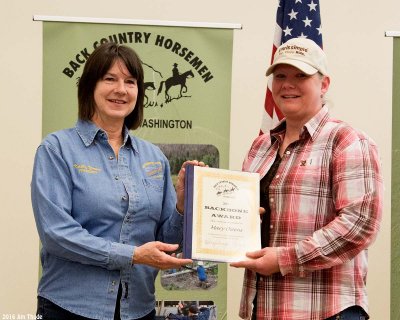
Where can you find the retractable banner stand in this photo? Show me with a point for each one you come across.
(187, 113)
(395, 230)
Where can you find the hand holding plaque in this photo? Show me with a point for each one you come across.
(221, 221)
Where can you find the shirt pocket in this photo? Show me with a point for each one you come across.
(312, 175)
(155, 193)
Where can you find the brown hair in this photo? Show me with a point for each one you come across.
(97, 65)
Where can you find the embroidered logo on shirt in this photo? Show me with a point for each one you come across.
(307, 162)
(153, 169)
(86, 169)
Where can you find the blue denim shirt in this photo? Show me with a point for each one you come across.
(91, 210)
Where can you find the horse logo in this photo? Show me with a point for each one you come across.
(175, 80)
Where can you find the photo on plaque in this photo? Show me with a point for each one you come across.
(221, 221)
(199, 275)
(181, 309)
(177, 154)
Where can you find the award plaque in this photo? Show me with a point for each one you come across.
(221, 221)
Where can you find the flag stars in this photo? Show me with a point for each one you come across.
(319, 30)
(303, 36)
(297, 1)
(293, 15)
(312, 6)
(287, 31)
(307, 22)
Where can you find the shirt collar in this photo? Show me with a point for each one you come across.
(314, 125)
(87, 131)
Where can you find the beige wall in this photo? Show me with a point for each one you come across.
(360, 63)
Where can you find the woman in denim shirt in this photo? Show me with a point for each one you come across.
(105, 207)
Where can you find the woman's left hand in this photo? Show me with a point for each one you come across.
(264, 261)
(180, 184)
(155, 254)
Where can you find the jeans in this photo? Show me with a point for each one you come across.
(351, 313)
(47, 310)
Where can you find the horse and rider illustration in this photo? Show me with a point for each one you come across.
(177, 79)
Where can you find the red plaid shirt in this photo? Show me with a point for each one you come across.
(326, 208)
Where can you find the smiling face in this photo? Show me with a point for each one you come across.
(298, 96)
(115, 96)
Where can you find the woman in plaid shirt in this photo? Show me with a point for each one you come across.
(321, 189)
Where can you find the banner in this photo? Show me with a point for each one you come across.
(187, 113)
(395, 234)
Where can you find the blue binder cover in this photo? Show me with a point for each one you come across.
(188, 217)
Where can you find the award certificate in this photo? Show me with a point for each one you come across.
(221, 221)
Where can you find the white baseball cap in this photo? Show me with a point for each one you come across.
(302, 53)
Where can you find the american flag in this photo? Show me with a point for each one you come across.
(294, 19)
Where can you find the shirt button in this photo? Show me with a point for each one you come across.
(302, 272)
(271, 200)
(271, 226)
(287, 152)
(111, 158)
(124, 198)
(277, 176)
(116, 178)
(113, 283)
